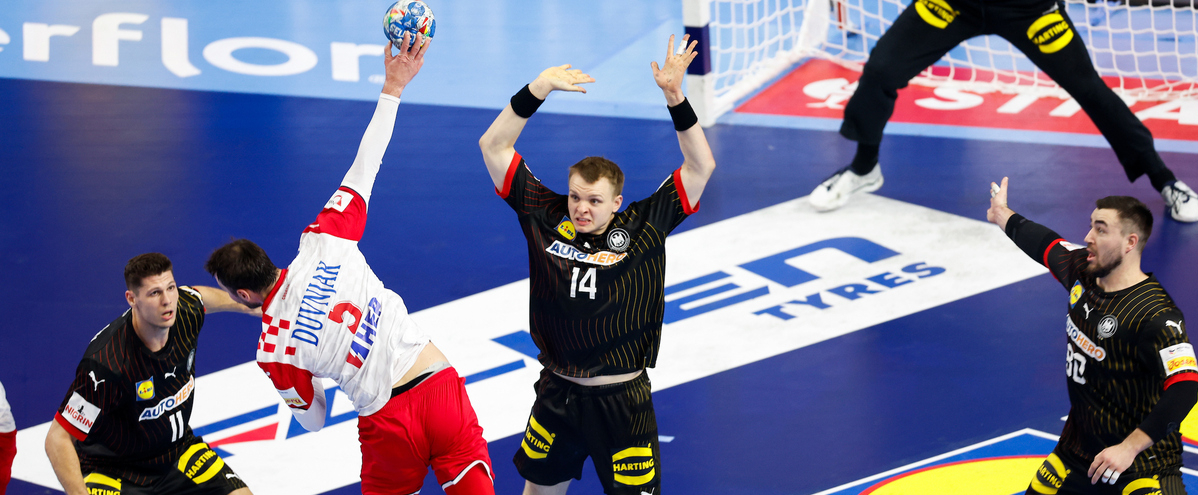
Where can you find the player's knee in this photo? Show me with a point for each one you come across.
(878, 72)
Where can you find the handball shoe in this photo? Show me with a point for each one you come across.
(836, 190)
(1181, 201)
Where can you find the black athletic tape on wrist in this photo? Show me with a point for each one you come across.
(683, 115)
(524, 103)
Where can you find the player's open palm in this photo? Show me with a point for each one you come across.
(669, 76)
(563, 78)
(401, 67)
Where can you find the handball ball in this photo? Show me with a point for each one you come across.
(408, 16)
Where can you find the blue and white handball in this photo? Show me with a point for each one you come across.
(408, 16)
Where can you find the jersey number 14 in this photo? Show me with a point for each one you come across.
(587, 284)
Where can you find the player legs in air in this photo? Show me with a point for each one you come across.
(413, 411)
(1131, 370)
(597, 291)
(1042, 30)
(124, 426)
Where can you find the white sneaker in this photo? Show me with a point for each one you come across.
(1181, 201)
(834, 192)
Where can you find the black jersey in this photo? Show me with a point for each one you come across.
(129, 408)
(1123, 349)
(596, 301)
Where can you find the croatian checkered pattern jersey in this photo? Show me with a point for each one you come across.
(130, 408)
(1122, 350)
(329, 316)
(596, 301)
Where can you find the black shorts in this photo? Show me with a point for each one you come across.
(613, 424)
(200, 471)
(1059, 476)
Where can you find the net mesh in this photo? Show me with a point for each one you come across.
(1147, 52)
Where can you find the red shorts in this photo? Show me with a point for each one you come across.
(8, 451)
(432, 424)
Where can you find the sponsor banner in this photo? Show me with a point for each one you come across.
(819, 88)
(737, 291)
(1006, 464)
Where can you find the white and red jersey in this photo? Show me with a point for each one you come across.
(329, 316)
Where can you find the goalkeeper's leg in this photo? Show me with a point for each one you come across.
(1058, 51)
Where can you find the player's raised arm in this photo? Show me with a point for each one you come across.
(400, 68)
(498, 144)
(218, 301)
(698, 162)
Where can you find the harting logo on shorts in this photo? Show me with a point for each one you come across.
(1051, 33)
(200, 463)
(634, 466)
(937, 13)
(537, 440)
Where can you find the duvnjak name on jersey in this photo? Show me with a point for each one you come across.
(777, 279)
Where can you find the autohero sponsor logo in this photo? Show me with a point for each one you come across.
(200, 463)
(169, 403)
(634, 466)
(1082, 341)
(601, 258)
(1050, 32)
(1179, 358)
(936, 13)
(775, 278)
(537, 440)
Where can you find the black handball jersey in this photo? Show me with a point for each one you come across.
(596, 301)
(1122, 350)
(129, 408)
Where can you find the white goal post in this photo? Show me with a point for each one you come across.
(1148, 46)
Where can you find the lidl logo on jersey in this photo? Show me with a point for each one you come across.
(602, 258)
(1075, 294)
(566, 229)
(145, 389)
(169, 403)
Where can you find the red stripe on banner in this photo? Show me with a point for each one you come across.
(819, 88)
(70, 428)
(264, 433)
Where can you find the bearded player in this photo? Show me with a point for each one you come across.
(597, 291)
(328, 316)
(1130, 368)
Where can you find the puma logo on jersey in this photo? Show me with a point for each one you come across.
(230, 476)
(1086, 306)
(92, 374)
(171, 373)
(1175, 324)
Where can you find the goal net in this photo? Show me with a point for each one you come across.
(1145, 48)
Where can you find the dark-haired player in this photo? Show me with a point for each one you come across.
(1042, 30)
(1130, 368)
(123, 427)
(329, 316)
(597, 291)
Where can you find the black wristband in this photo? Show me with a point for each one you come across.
(524, 103)
(683, 115)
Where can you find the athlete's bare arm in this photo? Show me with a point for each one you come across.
(218, 301)
(698, 162)
(498, 144)
(60, 448)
